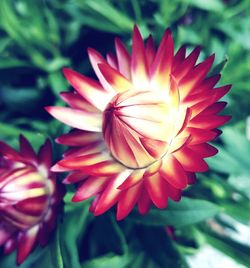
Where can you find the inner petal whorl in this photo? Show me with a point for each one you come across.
(138, 127)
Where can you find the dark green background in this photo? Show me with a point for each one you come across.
(38, 38)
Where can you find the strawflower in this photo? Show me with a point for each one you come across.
(30, 198)
(141, 131)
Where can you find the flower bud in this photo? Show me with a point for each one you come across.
(29, 198)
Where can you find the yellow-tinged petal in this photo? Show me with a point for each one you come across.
(127, 200)
(111, 193)
(118, 82)
(156, 188)
(173, 172)
(160, 69)
(135, 177)
(88, 89)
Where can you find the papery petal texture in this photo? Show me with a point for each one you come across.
(30, 198)
(142, 130)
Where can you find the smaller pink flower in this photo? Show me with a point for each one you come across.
(29, 198)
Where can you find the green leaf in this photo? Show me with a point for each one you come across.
(110, 13)
(211, 5)
(107, 261)
(234, 157)
(234, 249)
(237, 145)
(237, 210)
(55, 250)
(57, 82)
(74, 225)
(187, 211)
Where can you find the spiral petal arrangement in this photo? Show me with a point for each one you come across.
(141, 131)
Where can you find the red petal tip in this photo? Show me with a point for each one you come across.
(66, 71)
(90, 51)
(48, 108)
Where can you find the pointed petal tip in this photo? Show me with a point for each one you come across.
(136, 33)
(65, 181)
(136, 28)
(120, 217)
(58, 140)
(211, 58)
(48, 108)
(66, 70)
(57, 168)
(168, 31)
(23, 140)
(118, 42)
(102, 67)
(76, 198)
(91, 51)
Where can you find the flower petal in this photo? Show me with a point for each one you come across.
(190, 160)
(90, 187)
(123, 58)
(156, 188)
(111, 194)
(45, 154)
(88, 89)
(144, 202)
(112, 61)
(77, 118)
(127, 201)
(186, 65)
(161, 67)
(75, 100)
(150, 50)
(139, 67)
(208, 121)
(188, 82)
(9, 152)
(200, 135)
(179, 57)
(26, 150)
(172, 192)
(204, 150)
(79, 138)
(95, 59)
(26, 242)
(118, 82)
(173, 172)
(134, 178)
(75, 177)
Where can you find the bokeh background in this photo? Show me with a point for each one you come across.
(38, 38)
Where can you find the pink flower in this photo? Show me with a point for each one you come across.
(29, 198)
(141, 131)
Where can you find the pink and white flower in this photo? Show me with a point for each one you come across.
(30, 198)
(141, 131)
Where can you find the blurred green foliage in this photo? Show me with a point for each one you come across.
(39, 37)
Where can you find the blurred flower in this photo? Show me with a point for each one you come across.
(29, 198)
(142, 130)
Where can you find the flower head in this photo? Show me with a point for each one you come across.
(140, 132)
(29, 198)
